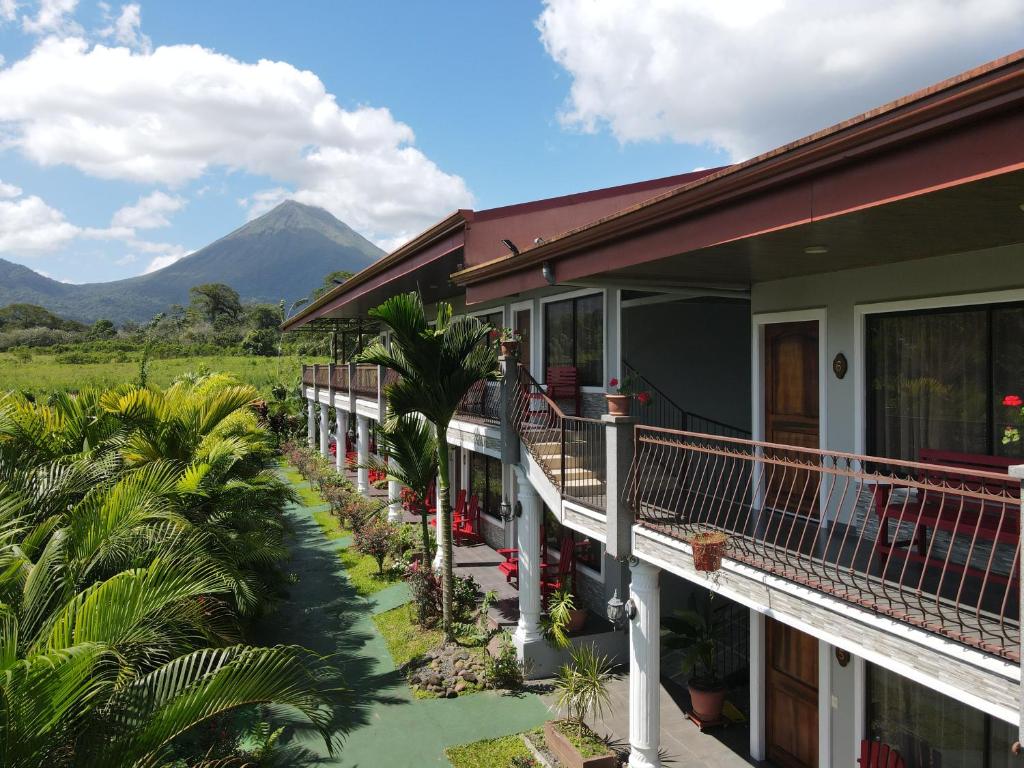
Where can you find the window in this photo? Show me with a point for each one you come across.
(485, 483)
(574, 335)
(588, 550)
(937, 380)
(930, 729)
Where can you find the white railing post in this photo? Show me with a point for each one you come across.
(645, 668)
(363, 454)
(325, 432)
(528, 541)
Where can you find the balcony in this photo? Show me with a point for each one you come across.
(935, 547)
(482, 403)
(364, 382)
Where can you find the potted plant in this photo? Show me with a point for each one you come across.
(708, 548)
(508, 340)
(693, 632)
(563, 617)
(582, 688)
(624, 393)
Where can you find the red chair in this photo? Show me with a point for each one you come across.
(466, 527)
(511, 565)
(566, 568)
(460, 506)
(875, 754)
(563, 383)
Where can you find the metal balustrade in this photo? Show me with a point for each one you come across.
(482, 403)
(570, 449)
(933, 546)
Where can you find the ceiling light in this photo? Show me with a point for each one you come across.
(814, 250)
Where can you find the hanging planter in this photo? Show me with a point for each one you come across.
(708, 549)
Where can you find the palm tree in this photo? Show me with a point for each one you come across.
(408, 441)
(436, 367)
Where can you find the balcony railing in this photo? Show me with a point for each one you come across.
(570, 449)
(320, 376)
(364, 383)
(482, 403)
(307, 376)
(339, 377)
(934, 547)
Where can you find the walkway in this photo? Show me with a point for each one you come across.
(382, 724)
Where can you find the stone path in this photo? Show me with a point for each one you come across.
(380, 722)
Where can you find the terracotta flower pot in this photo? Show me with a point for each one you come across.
(706, 703)
(708, 549)
(577, 620)
(509, 348)
(618, 405)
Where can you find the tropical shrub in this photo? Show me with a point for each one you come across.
(376, 538)
(582, 686)
(504, 670)
(139, 528)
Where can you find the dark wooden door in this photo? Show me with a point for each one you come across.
(791, 690)
(791, 413)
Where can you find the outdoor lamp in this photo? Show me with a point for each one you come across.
(507, 511)
(619, 611)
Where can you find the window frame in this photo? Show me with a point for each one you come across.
(542, 353)
(865, 399)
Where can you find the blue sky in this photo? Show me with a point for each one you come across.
(133, 133)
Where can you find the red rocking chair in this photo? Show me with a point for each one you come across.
(466, 526)
(460, 506)
(875, 754)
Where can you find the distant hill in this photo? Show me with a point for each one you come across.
(283, 254)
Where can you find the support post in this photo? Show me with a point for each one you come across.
(324, 430)
(310, 422)
(645, 668)
(757, 692)
(340, 431)
(363, 454)
(509, 365)
(438, 560)
(1017, 471)
(619, 434)
(528, 541)
(394, 494)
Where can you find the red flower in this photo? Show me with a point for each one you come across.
(614, 382)
(643, 398)
(1013, 401)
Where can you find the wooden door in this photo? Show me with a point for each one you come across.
(791, 696)
(791, 412)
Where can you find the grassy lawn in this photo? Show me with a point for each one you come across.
(43, 374)
(331, 526)
(362, 572)
(490, 753)
(406, 640)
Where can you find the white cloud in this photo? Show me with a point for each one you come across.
(9, 190)
(128, 258)
(159, 262)
(51, 17)
(127, 27)
(149, 212)
(171, 115)
(29, 226)
(745, 76)
(260, 202)
(8, 10)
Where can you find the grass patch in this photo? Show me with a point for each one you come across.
(490, 753)
(362, 572)
(42, 373)
(405, 638)
(329, 524)
(588, 745)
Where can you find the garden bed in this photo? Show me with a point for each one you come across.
(504, 752)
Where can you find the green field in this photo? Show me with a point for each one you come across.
(42, 374)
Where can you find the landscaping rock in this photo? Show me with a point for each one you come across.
(447, 671)
(469, 677)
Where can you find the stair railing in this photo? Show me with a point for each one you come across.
(579, 442)
(664, 412)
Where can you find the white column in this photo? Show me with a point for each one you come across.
(757, 692)
(528, 543)
(340, 430)
(310, 422)
(442, 533)
(645, 668)
(394, 494)
(363, 454)
(324, 432)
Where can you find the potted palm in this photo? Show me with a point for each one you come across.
(508, 340)
(693, 632)
(582, 689)
(563, 617)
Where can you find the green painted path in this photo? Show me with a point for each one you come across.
(383, 726)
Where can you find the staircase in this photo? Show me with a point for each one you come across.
(569, 449)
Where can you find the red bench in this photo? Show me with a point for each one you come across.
(960, 515)
(563, 383)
